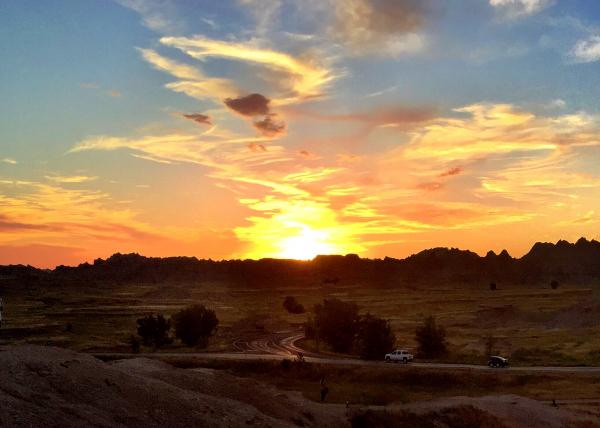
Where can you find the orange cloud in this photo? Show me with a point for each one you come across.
(305, 79)
(511, 168)
(193, 82)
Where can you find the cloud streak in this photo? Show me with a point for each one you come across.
(304, 79)
(520, 8)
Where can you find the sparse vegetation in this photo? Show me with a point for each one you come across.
(194, 325)
(293, 306)
(562, 322)
(431, 339)
(154, 330)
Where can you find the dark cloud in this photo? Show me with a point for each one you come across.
(199, 118)
(257, 148)
(387, 115)
(258, 105)
(250, 105)
(367, 23)
(453, 171)
(9, 225)
(430, 186)
(270, 127)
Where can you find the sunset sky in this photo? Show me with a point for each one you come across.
(280, 128)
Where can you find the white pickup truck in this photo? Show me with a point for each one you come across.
(399, 355)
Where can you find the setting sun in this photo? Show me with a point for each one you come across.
(306, 245)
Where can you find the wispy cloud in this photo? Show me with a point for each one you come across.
(157, 15)
(193, 81)
(587, 50)
(520, 8)
(493, 129)
(304, 78)
(9, 161)
(70, 179)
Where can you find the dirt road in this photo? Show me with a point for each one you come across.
(281, 345)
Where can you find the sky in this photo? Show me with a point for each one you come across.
(280, 128)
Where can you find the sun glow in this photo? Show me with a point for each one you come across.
(297, 229)
(307, 245)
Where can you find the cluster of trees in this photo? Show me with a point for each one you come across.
(193, 326)
(340, 326)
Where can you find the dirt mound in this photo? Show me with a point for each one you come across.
(44, 386)
(503, 411)
(452, 417)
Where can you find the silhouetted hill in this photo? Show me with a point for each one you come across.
(563, 261)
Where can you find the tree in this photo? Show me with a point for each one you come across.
(431, 339)
(292, 305)
(195, 324)
(337, 323)
(554, 284)
(374, 337)
(154, 330)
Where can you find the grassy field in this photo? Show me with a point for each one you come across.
(532, 325)
(385, 384)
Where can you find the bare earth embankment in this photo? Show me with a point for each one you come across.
(46, 386)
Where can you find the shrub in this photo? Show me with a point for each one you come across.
(374, 337)
(286, 365)
(431, 339)
(194, 325)
(292, 305)
(493, 286)
(337, 323)
(154, 330)
(554, 284)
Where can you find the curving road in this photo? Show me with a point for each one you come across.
(282, 345)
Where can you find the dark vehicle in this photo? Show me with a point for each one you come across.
(496, 361)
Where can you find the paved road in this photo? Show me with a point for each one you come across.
(281, 345)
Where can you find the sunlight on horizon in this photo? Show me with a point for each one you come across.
(307, 245)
